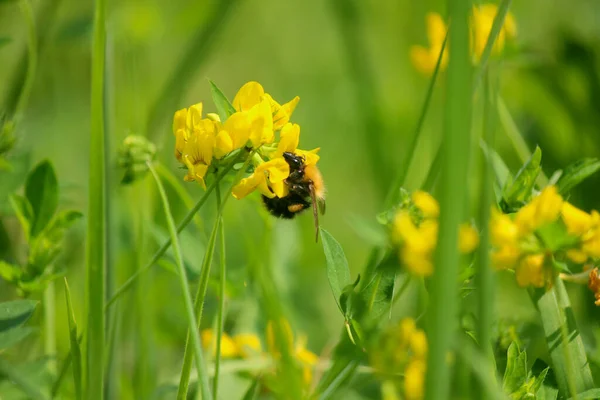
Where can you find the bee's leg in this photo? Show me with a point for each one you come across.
(313, 198)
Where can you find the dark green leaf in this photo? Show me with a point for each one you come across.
(516, 373)
(575, 173)
(346, 298)
(588, 395)
(41, 189)
(13, 336)
(224, 107)
(15, 313)
(75, 349)
(253, 390)
(377, 294)
(520, 190)
(23, 211)
(338, 271)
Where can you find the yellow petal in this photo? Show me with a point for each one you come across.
(238, 128)
(277, 169)
(418, 344)
(468, 239)
(436, 29)
(229, 348)
(414, 380)
(283, 114)
(179, 120)
(213, 117)
(223, 144)
(261, 124)
(246, 186)
(248, 96)
(510, 25)
(248, 344)
(426, 203)
(577, 221)
(310, 156)
(421, 59)
(503, 230)
(530, 271)
(280, 189)
(288, 139)
(505, 257)
(577, 256)
(196, 172)
(181, 138)
(549, 205)
(194, 116)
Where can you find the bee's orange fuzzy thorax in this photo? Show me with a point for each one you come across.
(312, 172)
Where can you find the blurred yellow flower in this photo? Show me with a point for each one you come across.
(414, 380)
(426, 203)
(482, 19)
(248, 344)
(468, 239)
(424, 59)
(541, 210)
(417, 243)
(268, 178)
(530, 271)
(577, 221)
(228, 346)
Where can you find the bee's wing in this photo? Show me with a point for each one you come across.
(313, 197)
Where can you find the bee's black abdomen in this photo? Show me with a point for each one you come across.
(280, 207)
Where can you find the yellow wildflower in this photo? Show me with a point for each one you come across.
(425, 59)
(531, 271)
(248, 344)
(198, 151)
(282, 113)
(417, 243)
(503, 230)
(468, 239)
(577, 221)
(414, 379)
(481, 26)
(506, 256)
(426, 203)
(268, 178)
(542, 210)
(228, 347)
(577, 256)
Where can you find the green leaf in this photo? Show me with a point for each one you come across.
(516, 373)
(60, 223)
(13, 336)
(501, 171)
(253, 390)
(377, 294)
(41, 190)
(588, 395)
(575, 173)
(10, 272)
(346, 298)
(519, 191)
(23, 211)
(547, 393)
(15, 313)
(224, 107)
(75, 349)
(338, 271)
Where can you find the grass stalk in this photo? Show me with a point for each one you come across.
(443, 307)
(74, 341)
(202, 287)
(32, 59)
(96, 224)
(186, 220)
(50, 325)
(185, 290)
(484, 279)
(221, 307)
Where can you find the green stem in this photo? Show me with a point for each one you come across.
(50, 326)
(186, 220)
(185, 290)
(201, 292)
(220, 311)
(32, 59)
(443, 307)
(96, 225)
(484, 279)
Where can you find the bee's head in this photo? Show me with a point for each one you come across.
(293, 160)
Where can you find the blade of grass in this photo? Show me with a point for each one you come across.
(96, 224)
(197, 53)
(75, 349)
(203, 285)
(221, 308)
(484, 279)
(443, 308)
(32, 58)
(186, 220)
(12, 373)
(194, 334)
(50, 325)
(409, 155)
(512, 131)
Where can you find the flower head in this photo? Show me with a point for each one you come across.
(482, 20)
(425, 59)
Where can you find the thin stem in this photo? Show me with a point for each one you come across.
(202, 286)
(564, 333)
(186, 220)
(96, 226)
(50, 325)
(221, 309)
(443, 308)
(32, 59)
(185, 290)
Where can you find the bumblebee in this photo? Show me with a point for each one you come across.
(305, 189)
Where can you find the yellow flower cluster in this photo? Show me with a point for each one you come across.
(416, 235)
(425, 59)
(403, 348)
(518, 247)
(199, 142)
(244, 345)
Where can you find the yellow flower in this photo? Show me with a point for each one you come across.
(228, 346)
(505, 257)
(288, 139)
(248, 344)
(414, 379)
(249, 95)
(237, 127)
(502, 229)
(468, 239)
(198, 151)
(417, 243)
(418, 344)
(577, 221)
(531, 271)
(261, 124)
(268, 178)
(541, 210)
(282, 113)
(426, 203)
(577, 256)
(425, 59)
(223, 145)
(481, 26)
